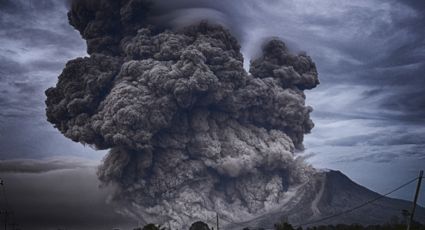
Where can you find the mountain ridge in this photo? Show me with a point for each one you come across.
(330, 193)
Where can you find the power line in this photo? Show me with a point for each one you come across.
(349, 210)
(352, 209)
(359, 206)
(211, 221)
(7, 206)
(415, 200)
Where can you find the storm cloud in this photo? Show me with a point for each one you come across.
(32, 53)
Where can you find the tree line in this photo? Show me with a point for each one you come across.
(393, 225)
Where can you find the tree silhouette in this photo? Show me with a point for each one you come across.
(199, 226)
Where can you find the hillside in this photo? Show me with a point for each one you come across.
(329, 193)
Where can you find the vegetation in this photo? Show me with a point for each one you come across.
(394, 225)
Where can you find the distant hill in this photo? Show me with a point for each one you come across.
(329, 193)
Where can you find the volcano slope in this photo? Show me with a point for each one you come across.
(331, 193)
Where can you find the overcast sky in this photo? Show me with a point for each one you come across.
(369, 109)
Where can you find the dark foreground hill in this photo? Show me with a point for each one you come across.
(330, 193)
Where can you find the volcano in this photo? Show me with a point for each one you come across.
(330, 193)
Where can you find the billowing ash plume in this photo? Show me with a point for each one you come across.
(190, 132)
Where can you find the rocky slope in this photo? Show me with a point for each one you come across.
(329, 193)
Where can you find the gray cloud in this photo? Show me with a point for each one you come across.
(177, 108)
(381, 56)
(43, 165)
(398, 137)
(30, 31)
(377, 44)
(35, 42)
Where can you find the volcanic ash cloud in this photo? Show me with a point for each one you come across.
(190, 132)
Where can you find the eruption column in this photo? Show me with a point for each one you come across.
(190, 132)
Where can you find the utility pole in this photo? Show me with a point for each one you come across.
(6, 215)
(14, 226)
(418, 187)
(5, 212)
(217, 220)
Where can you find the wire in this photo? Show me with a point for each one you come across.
(359, 206)
(349, 210)
(211, 221)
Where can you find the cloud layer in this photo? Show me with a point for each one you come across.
(44, 165)
(36, 40)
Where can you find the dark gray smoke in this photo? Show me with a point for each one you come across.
(190, 132)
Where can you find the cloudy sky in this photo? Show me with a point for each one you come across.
(369, 109)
